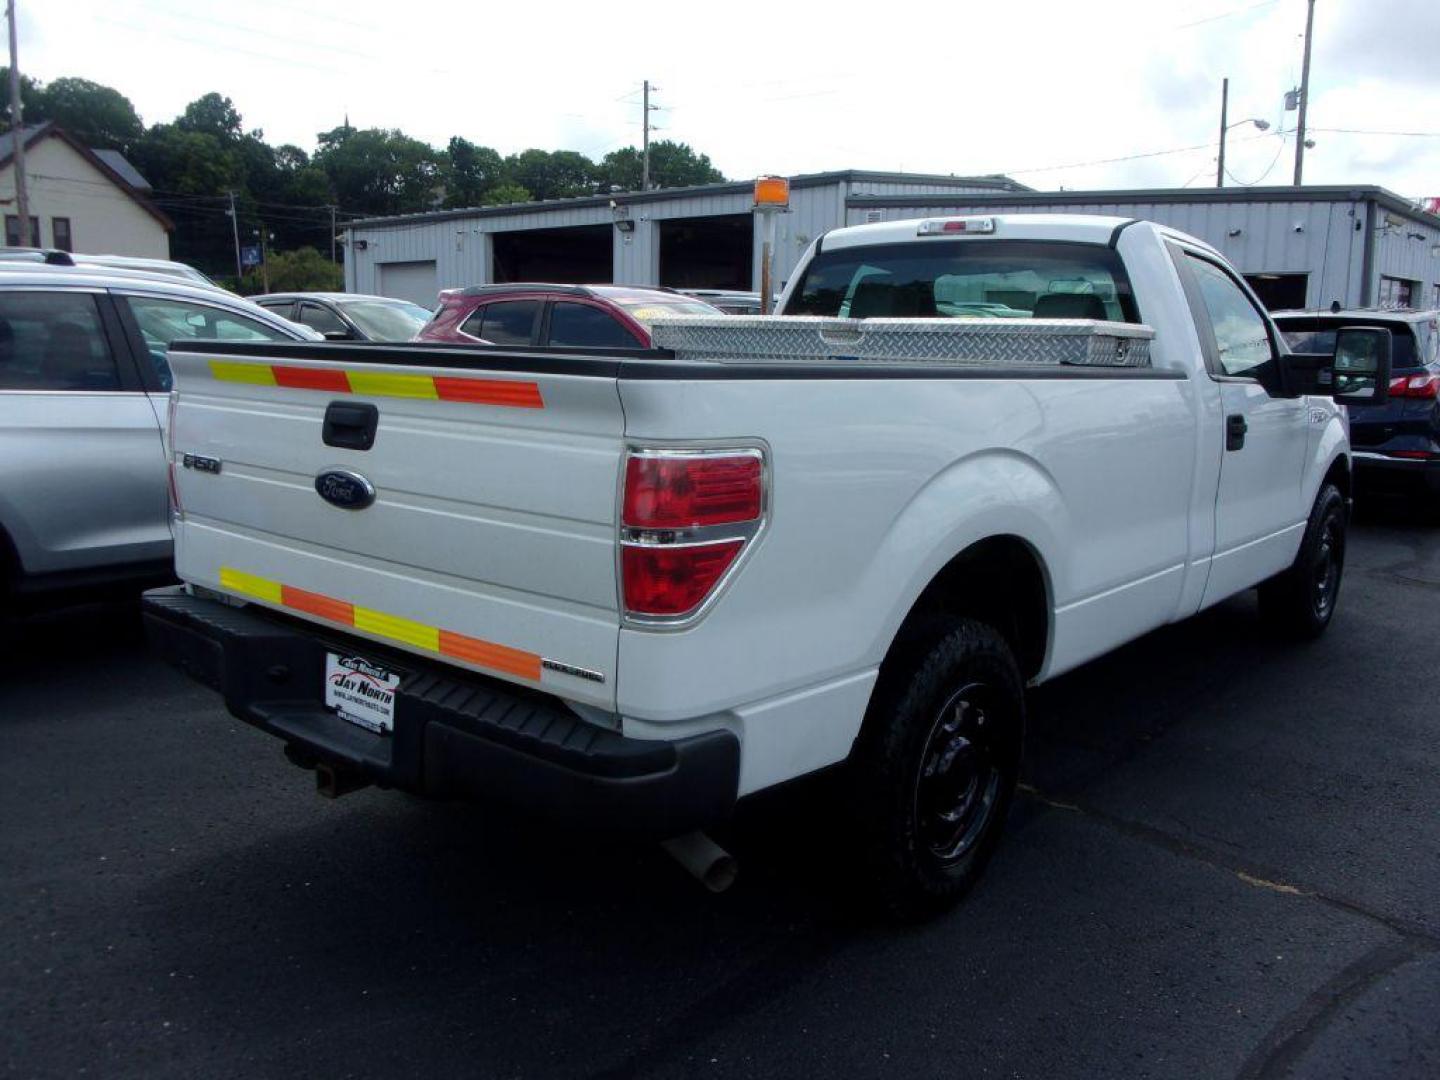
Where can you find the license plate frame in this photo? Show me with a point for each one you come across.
(360, 691)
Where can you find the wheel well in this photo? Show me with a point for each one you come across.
(999, 581)
(1339, 475)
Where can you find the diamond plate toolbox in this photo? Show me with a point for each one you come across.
(999, 342)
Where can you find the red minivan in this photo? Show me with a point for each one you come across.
(573, 316)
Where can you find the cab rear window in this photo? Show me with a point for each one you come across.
(967, 279)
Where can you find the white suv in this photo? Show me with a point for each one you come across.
(83, 385)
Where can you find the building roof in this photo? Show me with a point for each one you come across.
(122, 166)
(34, 133)
(1159, 196)
(729, 187)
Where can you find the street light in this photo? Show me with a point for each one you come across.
(1263, 125)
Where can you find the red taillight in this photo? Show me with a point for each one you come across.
(1423, 385)
(1414, 455)
(685, 491)
(666, 580)
(686, 516)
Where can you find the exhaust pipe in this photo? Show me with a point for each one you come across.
(707, 861)
(332, 780)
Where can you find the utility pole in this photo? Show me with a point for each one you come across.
(1224, 104)
(235, 231)
(17, 134)
(264, 263)
(1304, 96)
(646, 110)
(332, 234)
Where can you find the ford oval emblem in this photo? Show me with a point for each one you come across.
(345, 489)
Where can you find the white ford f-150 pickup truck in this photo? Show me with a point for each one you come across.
(634, 588)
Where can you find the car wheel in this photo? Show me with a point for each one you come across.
(1300, 602)
(936, 765)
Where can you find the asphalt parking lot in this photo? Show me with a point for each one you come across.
(1226, 863)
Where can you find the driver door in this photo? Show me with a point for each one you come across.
(1259, 510)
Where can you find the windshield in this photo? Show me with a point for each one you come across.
(381, 321)
(1318, 336)
(646, 309)
(1005, 279)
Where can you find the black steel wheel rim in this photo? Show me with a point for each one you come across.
(958, 786)
(1325, 567)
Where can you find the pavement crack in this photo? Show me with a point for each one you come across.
(1250, 873)
(1285, 1044)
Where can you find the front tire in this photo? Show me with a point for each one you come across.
(936, 765)
(1300, 602)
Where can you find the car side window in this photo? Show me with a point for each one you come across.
(54, 341)
(162, 321)
(504, 322)
(322, 319)
(285, 308)
(583, 326)
(1241, 338)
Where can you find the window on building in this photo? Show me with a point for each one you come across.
(583, 326)
(1279, 292)
(1397, 292)
(54, 341)
(60, 232)
(12, 231)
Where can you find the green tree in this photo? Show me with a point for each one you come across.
(187, 162)
(556, 175)
(501, 194)
(213, 114)
(32, 98)
(469, 172)
(301, 270)
(672, 164)
(378, 171)
(96, 115)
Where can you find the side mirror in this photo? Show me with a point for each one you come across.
(338, 335)
(1362, 365)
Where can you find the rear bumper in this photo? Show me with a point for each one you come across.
(1381, 473)
(455, 735)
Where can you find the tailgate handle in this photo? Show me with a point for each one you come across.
(350, 425)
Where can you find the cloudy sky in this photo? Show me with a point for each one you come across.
(1100, 94)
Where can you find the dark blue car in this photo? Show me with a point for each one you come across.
(1395, 446)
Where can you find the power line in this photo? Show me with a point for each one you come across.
(1372, 131)
(1125, 157)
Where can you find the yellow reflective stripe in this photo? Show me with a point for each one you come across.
(398, 629)
(384, 385)
(250, 585)
(257, 374)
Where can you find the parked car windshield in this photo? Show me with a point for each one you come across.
(1318, 336)
(399, 320)
(967, 279)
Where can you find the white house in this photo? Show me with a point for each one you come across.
(81, 199)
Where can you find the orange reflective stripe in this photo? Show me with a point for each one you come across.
(336, 611)
(519, 395)
(505, 393)
(483, 654)
(490, 655)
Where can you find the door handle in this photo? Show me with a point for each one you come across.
(1235, 429)
(350, 425)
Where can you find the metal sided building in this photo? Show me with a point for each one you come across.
(1299, 247)
(696, 237)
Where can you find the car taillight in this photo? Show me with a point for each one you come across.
(1423, 385)
(686, 517)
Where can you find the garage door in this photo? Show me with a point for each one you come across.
(413, 281)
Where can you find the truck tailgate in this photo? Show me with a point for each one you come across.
(490, 541)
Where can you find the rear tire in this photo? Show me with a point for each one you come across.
(1300, 602)
(936, 765)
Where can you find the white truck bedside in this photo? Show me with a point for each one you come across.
(631, 589)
